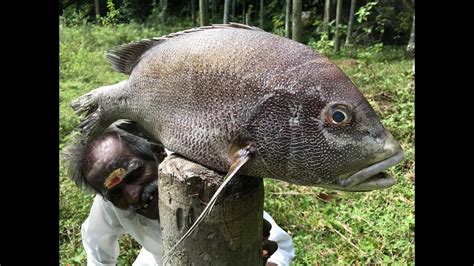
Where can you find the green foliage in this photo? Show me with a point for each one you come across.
(155, 12)
(395, 18)
(112, 15)
(363, 13)
(126, 12)
(363, 32)
(278, 24)
(371, 52)
(351, 228)
(75, 16)
(324, 45)
(387, 21)
(250, 9)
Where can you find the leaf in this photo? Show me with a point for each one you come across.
(325, 197)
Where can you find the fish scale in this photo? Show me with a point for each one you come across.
(206, 93)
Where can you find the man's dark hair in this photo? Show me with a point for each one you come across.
(78, 154)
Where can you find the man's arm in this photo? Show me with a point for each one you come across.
(286, 251)
(100, 233)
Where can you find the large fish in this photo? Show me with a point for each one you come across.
(233, 97)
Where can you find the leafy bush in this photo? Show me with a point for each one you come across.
(324, 45)
(73, 16)
(112, 15)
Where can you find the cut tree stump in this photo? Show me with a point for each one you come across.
(230, 235)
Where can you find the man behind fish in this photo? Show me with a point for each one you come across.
(121, 168)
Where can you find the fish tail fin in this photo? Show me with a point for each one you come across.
(91, 105)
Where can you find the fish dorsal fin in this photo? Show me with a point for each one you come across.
(234, 25)
(124, 57)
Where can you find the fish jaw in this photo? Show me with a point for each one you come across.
(372, 177)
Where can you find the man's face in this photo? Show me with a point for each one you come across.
(127, 180)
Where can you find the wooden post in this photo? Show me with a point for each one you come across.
(230, 235)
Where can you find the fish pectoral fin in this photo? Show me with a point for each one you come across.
(128, 126)
(238, 159)
(134, 128)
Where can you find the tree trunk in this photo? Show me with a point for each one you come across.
(337, 37)
(351, 22)
(411, 42)
(327, 12)
(288, 19)
(247, 17)
(226, 11)
(233, 10)
(332, 10)
(213, 10)
(296, 19)
(203, 17)
(231, 234)
(164, 11)
(97, 11)
(193, 12)
(261, 14)
(243, 11)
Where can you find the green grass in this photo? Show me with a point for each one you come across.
(350, 228)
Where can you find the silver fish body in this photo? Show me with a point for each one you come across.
(207, 92)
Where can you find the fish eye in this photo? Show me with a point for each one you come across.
(338, 115)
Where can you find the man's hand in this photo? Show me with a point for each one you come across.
(269, 247)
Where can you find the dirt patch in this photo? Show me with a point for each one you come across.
(384, 99)
(347, 63)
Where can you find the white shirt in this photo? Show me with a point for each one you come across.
(106, 223)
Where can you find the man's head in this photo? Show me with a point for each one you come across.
(121, 167)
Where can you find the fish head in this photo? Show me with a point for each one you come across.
(323, 132)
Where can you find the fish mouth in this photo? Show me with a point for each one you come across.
(373, 177)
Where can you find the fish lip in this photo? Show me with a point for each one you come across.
(374, 170)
